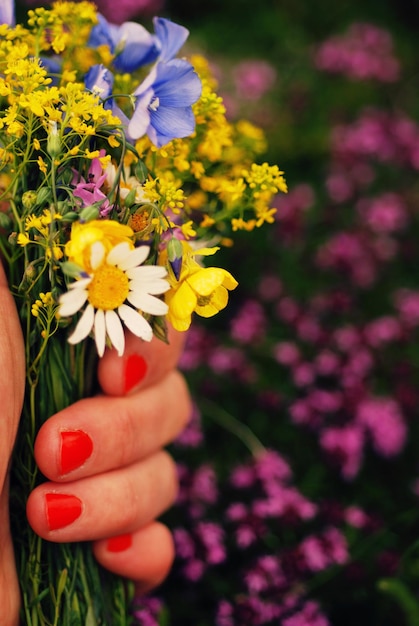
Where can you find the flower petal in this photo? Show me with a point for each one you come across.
(177, 84)
(134, 258)
(140, 119)
(84, 326)
(183, 302)
(171, 122)
(115, 331)
(100, 331)
(72, 301)
(118, 253)
(219, 300)
(153, 287)
(146, 272)
(135, 322)
(97, 254)
(171, 37)
(147, 303)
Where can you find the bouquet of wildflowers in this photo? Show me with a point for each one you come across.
(119, 174)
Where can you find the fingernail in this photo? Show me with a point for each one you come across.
(76, 448)
(62, 509)
(119, 543)
(135, 370)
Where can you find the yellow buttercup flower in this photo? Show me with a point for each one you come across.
(203, 290)
(83, 235)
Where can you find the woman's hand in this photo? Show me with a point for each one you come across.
(109, 477)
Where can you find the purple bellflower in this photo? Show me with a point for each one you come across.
(163, 109)
(7, 12)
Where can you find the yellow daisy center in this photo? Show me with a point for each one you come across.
(109, 288)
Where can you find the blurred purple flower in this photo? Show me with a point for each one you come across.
(385, 424)
(363, 52)
(253, 78)
(7, 12)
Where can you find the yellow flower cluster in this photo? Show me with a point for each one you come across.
(58, 137)
(224, 188)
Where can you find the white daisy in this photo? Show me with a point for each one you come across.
(117, 281)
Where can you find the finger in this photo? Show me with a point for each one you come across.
(144, 556)
(12, 361)
(142, 364)
(96, 435)
(97, 507)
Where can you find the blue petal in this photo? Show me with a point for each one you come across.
(134, 47)
(102, 34)
(177, 84)
(170, 123)
(171, 37)
(140, 120)
(99, 80)
(7, 12)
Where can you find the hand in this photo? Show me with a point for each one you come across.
(127, 479)
(124, 482)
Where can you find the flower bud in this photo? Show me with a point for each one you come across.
(141, 171)
(54, 140)
(29, 199)
(89, 213)
(174, 254)
(130, 199)
(43, 195)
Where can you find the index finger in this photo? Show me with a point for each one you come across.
(142, 364)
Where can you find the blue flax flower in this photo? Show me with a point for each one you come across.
(7, 12)
(134, 47)
(163, 108)
(100, 81)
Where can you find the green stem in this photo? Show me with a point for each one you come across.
(232, 424)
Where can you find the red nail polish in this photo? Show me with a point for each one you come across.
(62, 509)
(76, 447)
(119, 543)
(135, 370)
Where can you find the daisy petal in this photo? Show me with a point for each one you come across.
(118, 253)
(72, 301)
(147, 272)
(135, 322)
(100, 331)
(154, 287)
(84, 325)
(97, 254)
(115, 331)
(134, 258)
(147, 303)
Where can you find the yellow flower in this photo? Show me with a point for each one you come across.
(42, 165)
(83, 235)
(203, 290)
(23, 240)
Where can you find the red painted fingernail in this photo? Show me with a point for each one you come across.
(62, 509)
(135, 370)
(76, 447)
(119, 543)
